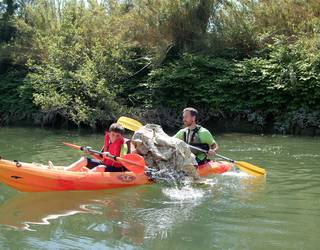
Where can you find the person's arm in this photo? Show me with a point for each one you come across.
(207, 138)
(213, 149)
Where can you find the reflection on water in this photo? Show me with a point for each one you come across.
(133, 215)
(89, 213)
(174, 209)
(229, 211)
(26, 209)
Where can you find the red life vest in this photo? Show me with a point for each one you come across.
(113, 148)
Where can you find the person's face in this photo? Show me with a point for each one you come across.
(114, 136)
(188, 119)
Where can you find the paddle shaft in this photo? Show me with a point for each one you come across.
(206, 151)
(107, 154)
(244, 166)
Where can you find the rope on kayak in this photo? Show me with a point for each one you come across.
(18, 164)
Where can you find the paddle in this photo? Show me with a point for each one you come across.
(129, 123)
(249, 168)
(242, 165)
(133, 162)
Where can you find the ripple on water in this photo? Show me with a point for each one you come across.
(299, 156)
(233, 211)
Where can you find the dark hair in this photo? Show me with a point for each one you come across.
(116, 127)
(192, 111)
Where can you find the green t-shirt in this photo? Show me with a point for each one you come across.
(124, 149)
(202, 136)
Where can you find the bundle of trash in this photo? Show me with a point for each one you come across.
(167, 157)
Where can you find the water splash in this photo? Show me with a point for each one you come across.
(169, 177)
(184, 194)
(237, 174)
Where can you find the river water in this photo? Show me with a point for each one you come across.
(231, 211)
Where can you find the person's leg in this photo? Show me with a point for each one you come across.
(99, 168)
(92, 163)
(76, 166)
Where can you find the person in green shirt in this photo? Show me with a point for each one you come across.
(197, 136)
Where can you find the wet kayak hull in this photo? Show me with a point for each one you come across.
(214, 167)
(29, 177)
(32, 178)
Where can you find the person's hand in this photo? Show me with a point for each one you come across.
(211, 152)
(105, 154)
(86, 149)
(134, 151)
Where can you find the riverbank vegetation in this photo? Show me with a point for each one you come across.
(85, 63)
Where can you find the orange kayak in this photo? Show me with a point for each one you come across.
(214, 167)
(29, 177)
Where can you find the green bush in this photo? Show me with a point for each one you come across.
(79, 77)
(89, 62)
(261, 89)
(15, 106)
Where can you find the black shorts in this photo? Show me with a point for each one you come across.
(92, 163)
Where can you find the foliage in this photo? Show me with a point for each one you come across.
(297, 120)
(79, 76)
(260, 89)
(13, 105)
(90, 61)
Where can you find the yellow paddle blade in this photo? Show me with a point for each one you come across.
(129, 123)
(250, 168)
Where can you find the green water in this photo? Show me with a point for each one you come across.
(230, 212)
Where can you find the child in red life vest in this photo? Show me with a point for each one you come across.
(115, 144)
